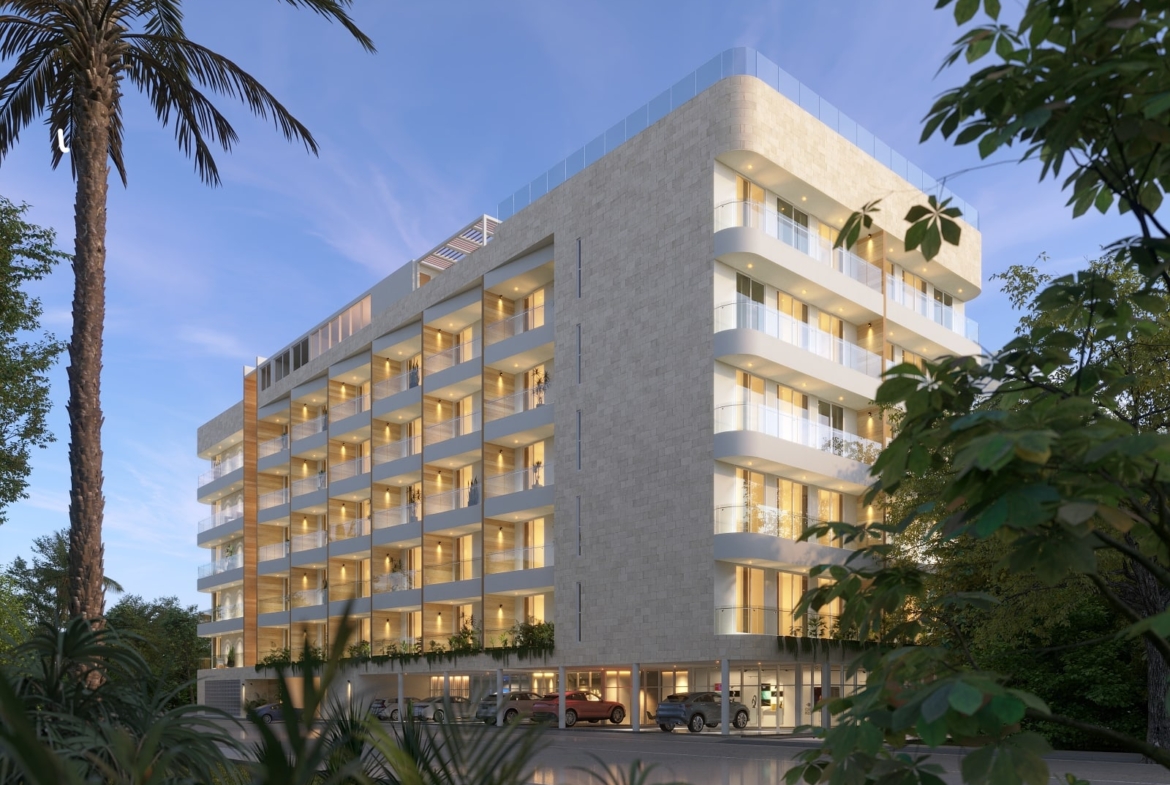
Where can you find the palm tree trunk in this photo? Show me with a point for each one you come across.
(91, 123)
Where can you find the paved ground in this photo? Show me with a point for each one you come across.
(710, 759)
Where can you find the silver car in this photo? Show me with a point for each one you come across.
(697, 710)
(517, 705)
(439, 709)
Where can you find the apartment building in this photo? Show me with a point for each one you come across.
(614, 407)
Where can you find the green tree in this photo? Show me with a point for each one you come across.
(14, 617)
(166, 634)
(27, 253)
(43, 584)
(71, 61)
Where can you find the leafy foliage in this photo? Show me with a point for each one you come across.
(27, 253)
(166, 634)
(43, 584)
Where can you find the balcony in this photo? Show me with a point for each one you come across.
(342, 591)
(222, 469)
(449, 358)
(762, 519)
(306, 598)
(396, 384)
(450, 571)
(272, 446)
(307, 485)
(810, 433)
(397, 523)
(222, 613)
(349, 476)
(906, 295)
(529, 489)
(307, 542)
(755, 215)
(272, 499)
(745, 620)
(453, 437)
(277, 550)
(220, 525)
(403, 580)
(519, 559)
(349, 408)
(522, 401)
(391, 459)
(276, 604)
(304, 430)
(747, 315)
(347, 530)
(233, 562)
(512, 326)
(520, 480)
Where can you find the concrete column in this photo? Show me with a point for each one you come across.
(826, 690)
(562, 687)
(401, 697)
(636, 698)
(499, 696)
(446, 687)
(798, 696)
(725, 697)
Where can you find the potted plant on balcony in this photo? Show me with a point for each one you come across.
(537, 472)
(414, 497)
(412, 367)
(231, 657)
(540, 383)
(473, 492)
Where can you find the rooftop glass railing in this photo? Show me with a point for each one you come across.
(758, 216)
(224, 467)
(227, 515)
(520, 480)
(304, 430)
(272, 552)
(396, 384)
(318, 482)
(739, 61)
(309, 541)
(349, 408)
(905, 294)
(449, 429)
(396, 516)
(445, 572)
(384, 453)
(347, 530)
(782, 425)
(514, 559)
(517, 402)
(401, 580)
(272, 446)
(233, 562)
(272, 499)
(350, 468)
(449, 358)
(514, 325)
(749, 315)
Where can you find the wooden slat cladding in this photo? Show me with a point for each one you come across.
(251, 527)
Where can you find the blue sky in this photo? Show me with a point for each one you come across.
(464, 103)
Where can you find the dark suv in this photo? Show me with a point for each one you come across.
(697, 710)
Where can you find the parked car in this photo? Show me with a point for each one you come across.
(269, 712)
(517, 705)
(697, 710)
(578, 706)
(437, 709)
(388, 710)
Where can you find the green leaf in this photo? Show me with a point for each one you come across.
(991, 8)
(916, 234)
(1007, 709)
(935, 707)
(1155, 106)
(951, 231)
(965, 11)
(1104, 200)
(965, 699)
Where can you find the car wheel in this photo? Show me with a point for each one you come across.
(267, 719)
(570, 718)
(510, 716)
(696, 724)
(664, 728)
(741, 720)
(617, 715)
(394, 716)
(439, 715)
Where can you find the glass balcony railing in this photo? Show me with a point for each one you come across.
(520, 480)
(272, 499)
(306, 598)
(748, 315)
(519, 559)
(303, 430)
(222, 613)
(514, 325)
(396, 581)
(756, 215)
(762, 519)
(395, 516)
(348, 590)
(347, 469)
(318, 482)
(449, 429)
(904, 294)
(497, 630)
(309, 541)
(235, 561)
(272, 604)
(396, 384)
(454, 499)
(227, 515)
(347, 530)
(449, 358)
(521, 401)
(224, 467)
(810, 433)
(463, 570)
(745, 620)
(272, 446)
(411, 445)
(349, 408)
(277, 550)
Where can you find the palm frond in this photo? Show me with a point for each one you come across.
(336, 10)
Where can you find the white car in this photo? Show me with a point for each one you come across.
(438, 709)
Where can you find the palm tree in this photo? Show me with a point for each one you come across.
(71, 60)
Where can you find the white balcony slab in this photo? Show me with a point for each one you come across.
(355, 422)
(791, 460)
(519, 581)
(461, 518)
(536, 419)
(453, 590)
(221, 486)
(273, 461)
(397, 600)
(357, 606)
(273, 513)
(313, 445)
(527, 342)
(911, 330)
(410, 464)
(777, 552)
(313, 502)
(224, 531)
(308, 613)
(222, 627)
(411, 396)
(313, 557)
(350, 546)
(435, 380)
(457, 445)
(274, 619)
(224, 578)
(273, 566)
(535, 499)
(346, 489)
(403, 532)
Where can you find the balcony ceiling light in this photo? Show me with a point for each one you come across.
(749, 265)
(804, 198)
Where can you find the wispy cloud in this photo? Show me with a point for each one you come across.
(215, 342)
